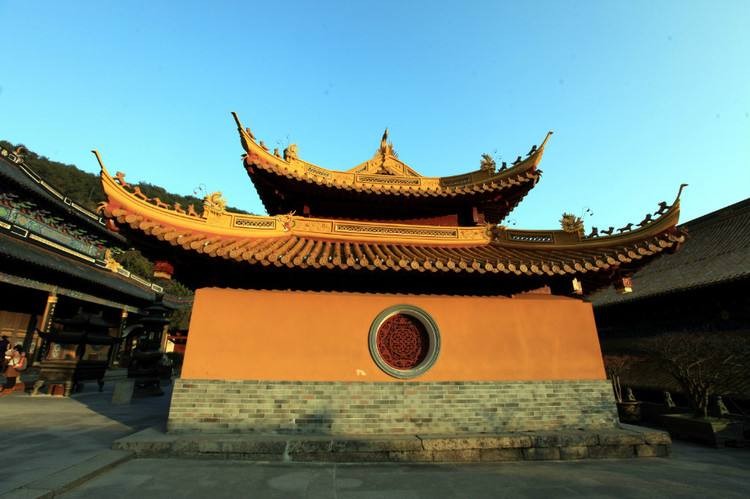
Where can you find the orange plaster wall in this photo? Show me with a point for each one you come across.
(288, 335)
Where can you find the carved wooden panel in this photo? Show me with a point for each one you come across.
(403, 342)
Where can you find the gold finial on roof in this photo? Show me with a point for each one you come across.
(384, 140)
(386, 147)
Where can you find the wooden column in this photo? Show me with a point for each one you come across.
(30, 338)
(115, 350)
(46, 323)
(164, 338)
(49, 312)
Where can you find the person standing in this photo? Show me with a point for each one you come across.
(4, 346)
(16, 364)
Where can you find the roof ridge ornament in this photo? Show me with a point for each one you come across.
(214, 204)
(386, 146)
(100, 161)
(384, 141)
(382, 163)
(664, 210)
(679, 193)
(290, 153)
(246, 135)
(487, 163)
(572, 224)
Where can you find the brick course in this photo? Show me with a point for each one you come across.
(361, 408)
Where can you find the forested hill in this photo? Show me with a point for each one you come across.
(85, 188)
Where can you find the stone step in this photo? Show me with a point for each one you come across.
(620, 442)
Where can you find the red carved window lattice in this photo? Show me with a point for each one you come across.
(403, 341)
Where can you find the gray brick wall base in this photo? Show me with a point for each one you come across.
(408, 408)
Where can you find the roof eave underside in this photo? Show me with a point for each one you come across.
(275, 190)
(20, 251)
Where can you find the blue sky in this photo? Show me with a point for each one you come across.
(642, 96)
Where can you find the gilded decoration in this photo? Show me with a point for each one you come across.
(254, 223)
(384, 172)
(214, 204)
(290, 153)
(314, 225)
(286, 221)
(314, 243)
(400, 230)
(487, 163)
(572, 224)
(127, 206)
(110, 262)
(387, 180)
(315, 170)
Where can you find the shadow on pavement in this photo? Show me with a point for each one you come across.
(43, 435)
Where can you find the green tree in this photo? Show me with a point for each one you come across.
(136, 263)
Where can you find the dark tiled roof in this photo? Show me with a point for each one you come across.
(283, 184)
(17, 250)
(22, 176)
(502, 256)
(336, 244)
(717, 250)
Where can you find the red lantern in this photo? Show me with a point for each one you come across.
(163, 270)
(624, 285)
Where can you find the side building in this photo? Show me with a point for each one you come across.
(700, 289)
(56, 259)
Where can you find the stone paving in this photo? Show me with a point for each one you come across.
(50, 443)
(44, 435)
(692, 472)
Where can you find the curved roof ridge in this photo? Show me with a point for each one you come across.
(382, 171)
(216, 222)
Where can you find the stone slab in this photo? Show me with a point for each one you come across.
(577, 452)
(541, 454)
(646, 450)
(378, 444)
(693, 472)
(26, 493)
(68, 478)
(612, 452)
(500, 455)
(123, 392)
(620, 443)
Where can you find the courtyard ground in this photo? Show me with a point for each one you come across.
(48, 444)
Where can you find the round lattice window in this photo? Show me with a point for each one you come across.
(404, 341)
